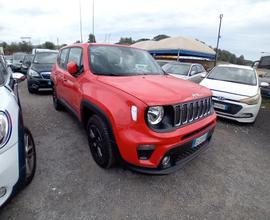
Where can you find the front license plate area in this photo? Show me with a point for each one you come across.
(220, 106)
(199, 140)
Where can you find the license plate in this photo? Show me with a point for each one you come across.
(220, 106)
(199, 140)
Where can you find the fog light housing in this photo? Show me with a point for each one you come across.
(246, 115)
(145, 151)
(3, 191)
(166, 161)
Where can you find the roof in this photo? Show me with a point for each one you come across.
(236, 66)
(175, 45)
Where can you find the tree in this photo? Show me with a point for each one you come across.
(49, 45)
(160, 37)
(126, 40)
(91, 38)
(142, 39)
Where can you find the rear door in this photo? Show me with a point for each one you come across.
(60, 71)
(71, 83)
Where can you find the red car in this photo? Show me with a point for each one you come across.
(132, 111)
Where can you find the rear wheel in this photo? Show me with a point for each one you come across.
(100, 143)
(29, 155)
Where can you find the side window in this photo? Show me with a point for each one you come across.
(194, 70)
(75, 55)
(200, 69)
(3, 72)
(63, 58)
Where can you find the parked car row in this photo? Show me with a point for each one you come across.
(133, 112)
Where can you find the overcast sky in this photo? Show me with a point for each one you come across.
(245, 27)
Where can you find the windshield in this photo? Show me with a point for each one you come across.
(232, 74)
(28, 58)
(177, 68)
(45, 57)
(18, 56)
(122, 61)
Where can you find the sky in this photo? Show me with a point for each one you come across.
(245, 25)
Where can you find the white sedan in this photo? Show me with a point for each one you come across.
(188, 71)
(17, 148)
(236, 92)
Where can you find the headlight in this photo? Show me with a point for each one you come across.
(33, 73)
(252, 100)
(5, 128)
(155, 114)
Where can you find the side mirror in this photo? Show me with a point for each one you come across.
(28, 63)
(192, 72)
(72, 68)
(18, 77)
(203, 75)
(264, 84)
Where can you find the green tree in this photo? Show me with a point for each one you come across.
(91, 38)
(160, 37)
(49, 45)
(126, 40)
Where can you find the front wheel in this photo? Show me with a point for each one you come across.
(100, 143)
(57, 105)
(29, 155)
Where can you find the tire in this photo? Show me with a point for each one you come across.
(31, 90)
(29, 156)
(100, 142)
(56, 103)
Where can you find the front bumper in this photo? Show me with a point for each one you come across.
(9, 171)
(39, 83)
(180, 155)
(241, 113)
(165, 144)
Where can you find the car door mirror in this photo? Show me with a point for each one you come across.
(264, 84)
(203, 75)
(192, 72)
(28, 63)
(18, 77)
(72, 68)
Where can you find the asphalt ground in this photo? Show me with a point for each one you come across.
(231, 180)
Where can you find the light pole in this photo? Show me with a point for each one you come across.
(80, 19)
(93, 18)
(218, 37)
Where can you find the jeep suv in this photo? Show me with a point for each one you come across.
(132, 111)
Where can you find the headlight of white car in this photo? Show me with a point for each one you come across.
(5, 128)
(155, 114)
(33, 73)
(252, 100)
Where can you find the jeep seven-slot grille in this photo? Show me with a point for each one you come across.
(189, 112)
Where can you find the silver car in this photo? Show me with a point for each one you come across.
(189, 71)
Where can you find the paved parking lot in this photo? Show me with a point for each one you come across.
(231, 180)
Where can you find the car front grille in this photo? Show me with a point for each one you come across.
(46, 75)
(230, 107)
(186, 113)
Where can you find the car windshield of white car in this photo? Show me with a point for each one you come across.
(45, 57)
(178, 69)
(122, 61)
(233, 74)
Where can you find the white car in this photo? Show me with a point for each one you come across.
(17, 148)
(236, 92)
(189, 71)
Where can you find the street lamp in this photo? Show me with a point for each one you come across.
(218, 37)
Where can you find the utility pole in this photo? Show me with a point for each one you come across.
(80, 20)
(93, 18)
(218, 37)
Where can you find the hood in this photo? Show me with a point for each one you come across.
(157, 89)
(179, 76)
(42, 67)
(230, 90)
